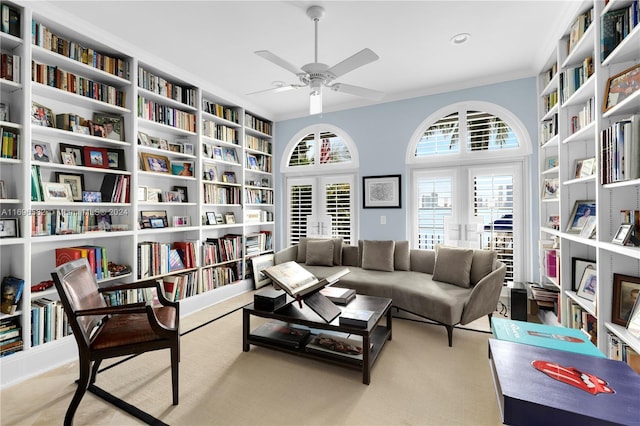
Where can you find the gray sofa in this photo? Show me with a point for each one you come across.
(449, 285)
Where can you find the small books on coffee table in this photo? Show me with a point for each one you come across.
(357, 318)
(297, 281)
(340, 296)
(281, 334)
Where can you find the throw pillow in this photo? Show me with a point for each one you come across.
(401, 260)
(319, 253)
(378, 255)
(337, 249)
(481, 265)
(453, 265)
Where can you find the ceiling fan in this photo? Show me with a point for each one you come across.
(315, 75)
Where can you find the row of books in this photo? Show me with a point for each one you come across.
(64, 221)
(616, 25)
(10, 67)
(137, 295)
(549, 74)
(163, 87)
(10, 336)
(258, 196)
(573, 78)
(580, 319)
(10, 20)
(180, 286)
(42, 36)
(115, 188)
(167, 115)
(257, 216)
(156, 258)
(261, 163)
(257, 124)
(220, 275)
(48, 321)
(257, 144)
(215, 194)
(228, 113)
(548, 129)
(586, 115)
(630, 216)
(620, 151)
(10, 143)
(95, 255)
(59, 78)
(222, 249)
(578, 28)
(220, 131)
(258, 243)
(620, 351)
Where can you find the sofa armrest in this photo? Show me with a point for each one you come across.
(286, 255)
(484, 297)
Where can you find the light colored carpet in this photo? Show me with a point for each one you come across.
(417, 380)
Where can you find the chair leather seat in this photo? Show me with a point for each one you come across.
(121, 330)
(166, 316)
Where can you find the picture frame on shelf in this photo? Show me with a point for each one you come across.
(75, 150)
(42, 151)
(103, 221)
(207, 151)
(67, 158)
(551, 163)
(9, 228)
(5, 112)
(3, 190)
(182, 190)
(75, 181)
(230, 155)
(578, 169)
(623, 234)
(588, 284)
(620, 86)
(91, 197)
(42, 115)
(210, 172)
(229, 177)
(155, 163)
(382, 192)
(589, 230)
(154, 195)
(116, 158)
(252, 162)
(259, 263)
(163, 144)
(181, 221)
(633, 326)
(172, 197)
(219, 219)
(553, 222)
(582, 210)
(217, 153)
(188, 148)
(143, 139)
(175, 147)
(588, 167)
(550, 188)
(97, 157)
(182, 168)
(153, 219)
(578, 266)
(211, 218)
(111, 126)
(57, 192)
(626, 291)
(229, 218)
(142, 192)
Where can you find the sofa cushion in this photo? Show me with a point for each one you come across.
(481, 265)
(349, 255)
(422, 260)
(453, 265)
(319, 253)
(337, 249)
(401, 258)
(378, 255)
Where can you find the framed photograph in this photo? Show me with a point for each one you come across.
(623, 234)
(75, 181)
(155, 163)
(588, 284)
(588, 167)
(625, 296)
(211, 218)
(252, 162)
(550, 188)
(75, 150)
(154, 195)
(154, 219)
(91, 196)
(96, 157)
(57, 192)
(229, 218)
(210, 172)
(382, 192)
(142, 192)
(181, 221)
(578, 266)
(634, 319)
(217, 153)
(41, 151)
(553, 222)
(143, 139)
(621, 86)
(172, 197)
(182, 190)
(67, 158)
(175, 147)
(111, 126)
(589, 229)
(3, 190)
(163, 144)
(207, 151)
(8, 228)
(182, 168)
(259, 263)
(229, 177)
(42, 116)
(577, 169)
(582, 210)
(116, 158)
(551, 163)
(230, 155)
(104, 221)
(188, 148)
(219, 219)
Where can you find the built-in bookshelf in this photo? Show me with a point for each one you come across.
(586, 141)
(126, 162)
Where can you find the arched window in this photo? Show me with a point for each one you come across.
(320, 169)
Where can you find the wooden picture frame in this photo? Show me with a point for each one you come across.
(382, 192)
(9, 228)
(620, 86)
(182, 190)
(259, 263)
(633, 326)
(153, 219)
(230, 218)
(155, 163)
(42, 151)
(96, 157)
(76, 150)
(578, 266)
(229, 177)
(182, 168)
(588, 284)
(57, 192)
(75, 181)
(623, 234)
(110, 126)
(626, 291)
(116, 158)
(550, 188)
(582, 209)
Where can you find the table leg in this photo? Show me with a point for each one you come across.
(366, 359)
(389, 322)
(246, 322)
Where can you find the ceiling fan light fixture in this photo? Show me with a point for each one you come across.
(459, 39)
(315, 102)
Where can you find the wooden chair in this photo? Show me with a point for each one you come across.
(103, 332)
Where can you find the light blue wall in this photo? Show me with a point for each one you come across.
(382, 134)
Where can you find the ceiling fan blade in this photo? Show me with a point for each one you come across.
(278, 61)
(357, 90)
(278, 89)
(361, 58)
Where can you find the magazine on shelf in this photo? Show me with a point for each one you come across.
(280, 334)
(297, 281)
(347, 347)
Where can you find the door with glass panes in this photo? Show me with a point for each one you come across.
(320, 206)
(475, 206)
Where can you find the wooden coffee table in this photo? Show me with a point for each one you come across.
(373, 337)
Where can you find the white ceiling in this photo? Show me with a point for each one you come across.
(214, 41)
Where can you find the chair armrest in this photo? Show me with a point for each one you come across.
(133, 308)
(286, 255)
(484, 297)
(141, 284)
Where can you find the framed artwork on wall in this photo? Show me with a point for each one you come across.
(382, 192)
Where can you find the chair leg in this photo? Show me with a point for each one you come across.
(94, 371)
(450, 334)
(175, 360)
(490, 318)
(83, 384)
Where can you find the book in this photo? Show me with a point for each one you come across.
(322, 306)
(340, 296)
(297, 281)
(343, 347)
(357, 318)
(11, 294)
(281, 334)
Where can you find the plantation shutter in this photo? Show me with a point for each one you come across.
(485, 132)
(338, 205)
(304, 152)
(440, 138)
(434, 204)
(301, 205)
